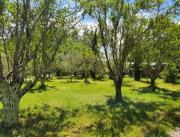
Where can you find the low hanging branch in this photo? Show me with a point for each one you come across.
(28, 86)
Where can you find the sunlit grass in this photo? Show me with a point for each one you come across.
(78, 109)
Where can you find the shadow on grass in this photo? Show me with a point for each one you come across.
(162, 92)
(122, 116)
(127, 84)
(149, 116)
(146, 81)
(39, 89)
(111, 119)
(70, 82)
(39, 121)
(99, 79)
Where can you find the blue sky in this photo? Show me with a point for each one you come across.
(89, 21)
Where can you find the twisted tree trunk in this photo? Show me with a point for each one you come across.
(10, 100)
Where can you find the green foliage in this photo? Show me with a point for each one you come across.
(171, 73)
(1, 6)
(75, 56)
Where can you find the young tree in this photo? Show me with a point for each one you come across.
(135, 62)
(171, 73)
(87, 60)
(90, 38)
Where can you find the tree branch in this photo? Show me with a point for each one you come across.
(28, 86)
(1, 69)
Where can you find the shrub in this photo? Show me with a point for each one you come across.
(171, 73)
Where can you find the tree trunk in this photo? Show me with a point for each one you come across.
(86, 76)
(137, 73)
(93, 71)
(10, 100)
(10, 111)
(43, 85)
(93, 74)
(71, 78)
(153, 84)
(118, 85)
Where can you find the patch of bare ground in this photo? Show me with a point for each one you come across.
(174, 133)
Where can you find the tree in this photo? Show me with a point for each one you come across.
(75, 55)
(25, 26)
(171, 73)
(160, 42)
(90, 38)
(172, 69)
(70, 58)
(66, 19)
(136, 61)
(87, 60)
(19, 27)
(121, 28)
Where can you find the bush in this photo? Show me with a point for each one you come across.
(171, 73)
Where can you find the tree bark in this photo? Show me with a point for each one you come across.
(118, 85)
(10, 111)
(43, 85)
(153, 84)
(1, 69)
(137, 73)
(10, 100)
(86, 76)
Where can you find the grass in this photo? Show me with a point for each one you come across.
(80, 110)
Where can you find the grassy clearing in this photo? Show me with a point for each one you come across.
(76, 109)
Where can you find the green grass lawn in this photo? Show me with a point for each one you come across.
(80, 110)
